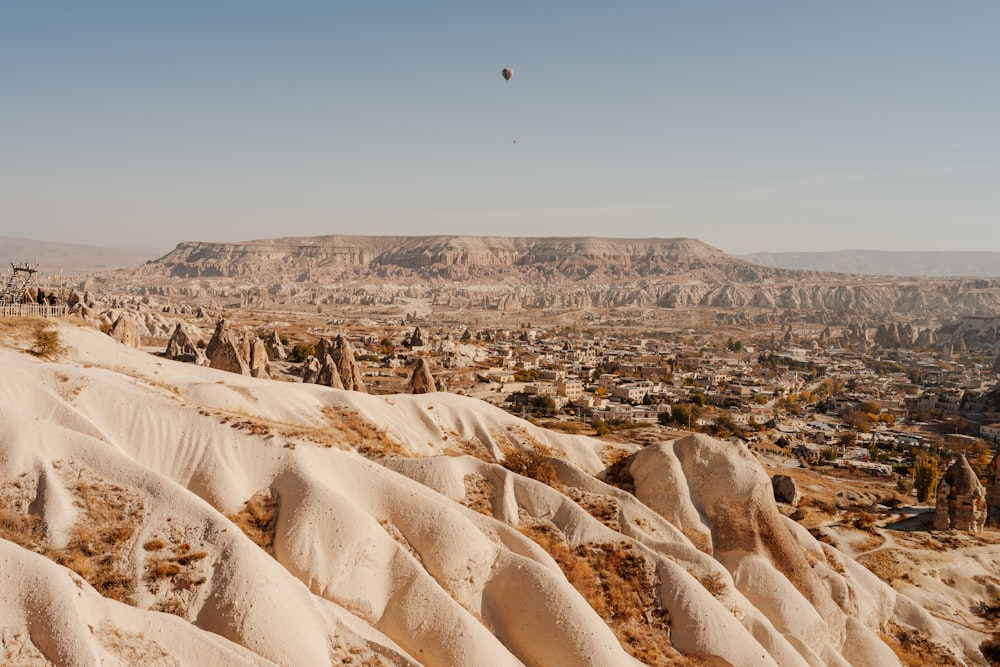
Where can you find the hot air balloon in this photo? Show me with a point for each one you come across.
(506, 73)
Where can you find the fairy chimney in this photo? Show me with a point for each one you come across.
(183, 347)
(347, 366)
(126, 331)
(961, 499)
(224, 351)
(421, 379)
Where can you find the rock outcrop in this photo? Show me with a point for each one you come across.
(125, 330)
(334, 365)
(415, 339)
(785, 490)
(259, 359)
(182, 346)
(961, 499)
(224, 351)
(274, 345)
(421, 379)
(328, 374)
(347, 366)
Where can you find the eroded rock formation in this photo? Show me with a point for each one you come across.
(961, 499)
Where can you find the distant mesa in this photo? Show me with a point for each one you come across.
(511, 274)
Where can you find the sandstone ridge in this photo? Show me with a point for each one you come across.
(511, 274)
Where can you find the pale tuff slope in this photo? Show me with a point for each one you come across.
(383, 560)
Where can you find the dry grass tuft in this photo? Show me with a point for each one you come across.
(19, 527)
(533, 462)
(479, 493)
(886, 564)
(258, 518)
(154, 545)
(862, 520)
(620, 584)
(172, 573)
(164, 568)
(45, 341)
(560, 425)
(915, 650)
(367, 439)
(605, 509)
(99, 542)
(251, 427)
(713, 582)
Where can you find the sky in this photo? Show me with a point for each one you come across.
(752, 126)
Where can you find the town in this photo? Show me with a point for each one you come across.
(847, 400)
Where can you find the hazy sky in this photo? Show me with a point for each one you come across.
(750, 125)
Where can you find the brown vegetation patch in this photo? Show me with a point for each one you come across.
(620, 584)
(16, 524)
(865, 541)
(258, 518)
(251, 427)
(473, 447)
(99, 542)
(603, 508)
(991, 649)
(563, 426)
(834, 559)
(533, 462)
(862, 520)
(885, 564)
(367, 439)
(915, 650)
(479, 493)
(173, 571)
(21, 331)
(713, 582)
(355, 654)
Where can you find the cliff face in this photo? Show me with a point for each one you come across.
(499, 273)
(454, 257)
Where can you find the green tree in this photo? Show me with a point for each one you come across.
(543, 405)
(925, 474)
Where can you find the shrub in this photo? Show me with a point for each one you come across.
(530, 463)
(863, 521)
(259, 518)
(301, 352)
(714, 583)
(46, 341)
(991, 649)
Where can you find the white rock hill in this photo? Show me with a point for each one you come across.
(398, 539)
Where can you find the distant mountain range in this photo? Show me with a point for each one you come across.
(884, 263)
(70, 258)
